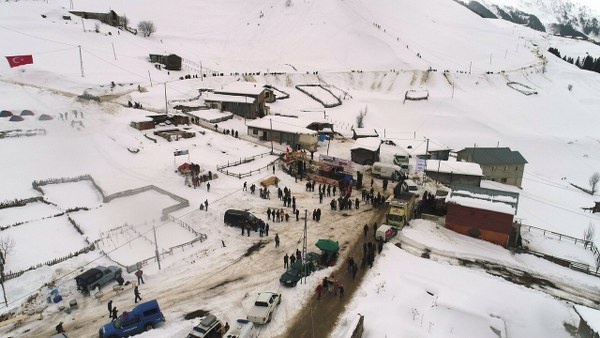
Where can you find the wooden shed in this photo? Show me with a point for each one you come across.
(170, 62)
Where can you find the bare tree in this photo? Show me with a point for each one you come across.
(588, 234)
(360, 118)
(124, 21)
(594, 179)
(146, 28)
(7, 246)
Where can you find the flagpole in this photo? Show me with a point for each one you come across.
(81, 60)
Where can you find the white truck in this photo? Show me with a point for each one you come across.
(263, 308)
(387, 170)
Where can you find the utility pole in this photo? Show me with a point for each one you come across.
(113, 48)
(83, 24)
(304, 245)
(156, 247)
(426, 152)
(80, 61)
(271, 134)
(452, 89)
(166, 104)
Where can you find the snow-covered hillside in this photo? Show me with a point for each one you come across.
(370, 53)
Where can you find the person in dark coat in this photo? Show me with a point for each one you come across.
(136, 292)
(365, 230)
(292, 259)
(285, 261)
(267, 229)
(109, 308)
(140, 276)
(59, 328)
(114, 313)
(276, 240)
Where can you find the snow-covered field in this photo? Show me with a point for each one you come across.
(373, 50)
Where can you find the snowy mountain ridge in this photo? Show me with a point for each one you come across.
(562, 17)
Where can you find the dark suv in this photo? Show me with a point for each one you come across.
(240, 218)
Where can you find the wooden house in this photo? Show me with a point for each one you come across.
(483, 213)
(110, 18)
(284, 130)
(365, 150)
(170, 62)
(244, 99)
(498, 164)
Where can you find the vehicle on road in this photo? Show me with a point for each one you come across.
(142, 318)
(209, 327)
(387, 170)
(264, 306)
(242, 328)
(240, 218)
(385, 232)
(296, 272)
(98, 277)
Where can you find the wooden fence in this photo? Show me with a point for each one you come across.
(223, 168)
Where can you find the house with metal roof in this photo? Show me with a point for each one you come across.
(498, 164)
(482, 213)
(366, 150)
(245, 99)
(451, 173)
(288, 130)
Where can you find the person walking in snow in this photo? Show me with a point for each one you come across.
(140, 276)
(206, 205)
(109, 308)
(285, 261)
(276, 240)
(114, 313)
(208, 186)
(136, 293)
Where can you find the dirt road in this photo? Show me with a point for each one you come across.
(317, 319)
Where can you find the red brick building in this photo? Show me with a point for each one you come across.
(483, 213)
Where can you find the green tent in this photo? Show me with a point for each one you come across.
(328, 245)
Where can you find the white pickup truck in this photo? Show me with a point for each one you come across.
(263, 308)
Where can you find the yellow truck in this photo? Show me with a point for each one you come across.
(401, 209)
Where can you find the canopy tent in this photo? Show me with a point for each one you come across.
(45, 117)
(27, 113)
(5, 113)
(16, 118)
(328, 245)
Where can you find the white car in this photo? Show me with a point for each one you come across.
(263, 308)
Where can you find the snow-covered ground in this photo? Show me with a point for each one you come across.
(390, 45)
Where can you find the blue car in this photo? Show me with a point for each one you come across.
(142, 318)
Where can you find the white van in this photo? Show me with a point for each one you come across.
(410, 186)
(386, 170)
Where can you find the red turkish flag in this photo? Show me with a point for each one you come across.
(19, 60)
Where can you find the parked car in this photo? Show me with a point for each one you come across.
(142, 318)
(297, 271)
(387, 170)
(209, 327)
(242, 328)
(98, 277)
(385, 232)
(239, 218)
(263, 308)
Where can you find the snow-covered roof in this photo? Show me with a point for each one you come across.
(454, 167)
(482, 204)
(227, 98)
(591, 317)
(365, 132)
(369, 143)
(279, 123)
(209, 114)
(242, 88)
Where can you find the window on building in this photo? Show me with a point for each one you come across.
(517, 168)
(493, 168)
(254, 131)
(505, 168)
(503, 180)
